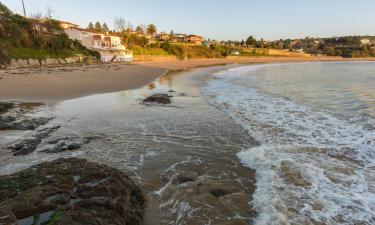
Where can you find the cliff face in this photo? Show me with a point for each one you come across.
(70, 191)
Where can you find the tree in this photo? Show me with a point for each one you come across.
(138, 29)
(37, 16)
(251, 41)
(98, 27)
(151, 29)
(120, 24)
(105, 27)
(91, 26)
(330, 51)
(49, 12)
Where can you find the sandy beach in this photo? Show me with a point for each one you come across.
(68, 82)
(56, 83)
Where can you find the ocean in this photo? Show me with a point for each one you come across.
(315, 124)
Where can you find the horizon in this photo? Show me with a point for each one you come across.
(271, 20)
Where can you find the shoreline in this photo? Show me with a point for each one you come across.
(178, 65)
(160, 158)
(64, 82)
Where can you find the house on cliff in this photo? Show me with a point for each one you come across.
(109, 46)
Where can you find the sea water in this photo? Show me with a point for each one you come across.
(315, 124)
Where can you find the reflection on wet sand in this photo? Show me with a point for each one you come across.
(183, 154)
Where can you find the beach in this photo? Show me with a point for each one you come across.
(214, 155)
(62, 82)
(182, 155)
(59, 83)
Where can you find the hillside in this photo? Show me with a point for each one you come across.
(25, 38)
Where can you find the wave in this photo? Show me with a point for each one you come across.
(312, 167)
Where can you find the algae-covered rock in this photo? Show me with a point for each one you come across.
(158, 99)
(4, 106)
(70, 191)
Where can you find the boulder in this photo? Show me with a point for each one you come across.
(29, 145)
(158, 99)
(70, 191)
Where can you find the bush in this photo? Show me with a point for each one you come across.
(190, 51)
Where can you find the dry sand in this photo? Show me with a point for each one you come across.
(56, 83)
(68, 82)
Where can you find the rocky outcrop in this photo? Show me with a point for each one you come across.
(29, 145)
(70, 191)
(158, 99)
(22, 123)
(4, 106)
(66, 144)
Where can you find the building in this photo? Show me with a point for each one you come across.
(109, 46)
(365, 41)
(178, 38)
(163, 36)
(235, 52)
(195, 39)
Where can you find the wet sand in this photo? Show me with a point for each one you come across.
(194, 63)
(183, 155)
(68, 82)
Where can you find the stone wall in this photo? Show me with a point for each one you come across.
(21, 63)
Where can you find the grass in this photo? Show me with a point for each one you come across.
(138, 50)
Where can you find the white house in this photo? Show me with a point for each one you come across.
(365, 41)
(109, 46)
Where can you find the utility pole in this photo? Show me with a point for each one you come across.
(24, 10)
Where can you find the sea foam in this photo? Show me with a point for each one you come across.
(312, 167)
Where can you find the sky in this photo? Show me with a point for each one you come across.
(221, 19)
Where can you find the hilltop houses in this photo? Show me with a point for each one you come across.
(195, 39)
(109, 46)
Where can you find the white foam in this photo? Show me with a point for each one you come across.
(331, 154)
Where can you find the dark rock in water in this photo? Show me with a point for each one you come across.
(26, 123)
(25, 146)
(65, 144)
(70, 191)
(158, 99)
(219, 192)
(29, 145)
(4, 106)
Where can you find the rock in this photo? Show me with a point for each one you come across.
(158, 99)
(65, 144)
(4, 106)
(219, 192)
(22, 123)
(292, 175)
(70, 191)
(29, 145)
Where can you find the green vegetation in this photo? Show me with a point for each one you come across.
(181, 51)
(22, 38)
(4, 106)
(139, 50)
(151, 29)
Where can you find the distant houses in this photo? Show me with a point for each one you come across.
(194, 39)
(109, 46)
(180, 38)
